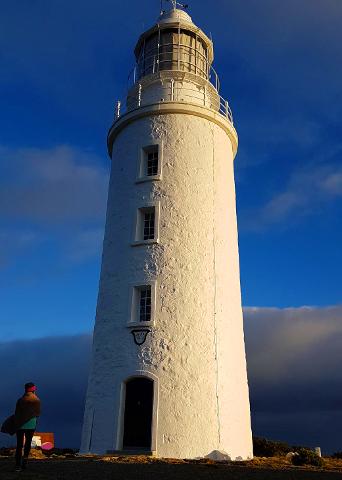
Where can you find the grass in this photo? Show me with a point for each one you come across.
(72, 467)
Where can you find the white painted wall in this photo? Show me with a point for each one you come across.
(196, 349)
(173, 86)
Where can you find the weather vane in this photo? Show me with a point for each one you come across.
(175, 4)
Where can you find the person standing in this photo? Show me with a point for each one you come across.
(27, 411)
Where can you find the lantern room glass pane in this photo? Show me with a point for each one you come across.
(178, 50)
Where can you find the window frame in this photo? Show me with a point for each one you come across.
(148, 220)
(138, 228)
(142, 160)
(144, 301)
(134, 304)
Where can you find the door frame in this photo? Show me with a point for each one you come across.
(121, 413)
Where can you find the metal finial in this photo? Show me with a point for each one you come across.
(179, 4)
(175, 4)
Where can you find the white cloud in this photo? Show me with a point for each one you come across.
(85, 244)
(59, 185)
(332, 184)
(56, 194)
(306, 192)
(16, 242)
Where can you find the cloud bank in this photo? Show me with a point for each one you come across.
(59, 366)
(294, 358)
(293, 355)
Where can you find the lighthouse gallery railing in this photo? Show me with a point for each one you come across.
(181, 58)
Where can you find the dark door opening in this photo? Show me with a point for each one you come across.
(138, 414)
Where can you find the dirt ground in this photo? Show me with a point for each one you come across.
(147, 468)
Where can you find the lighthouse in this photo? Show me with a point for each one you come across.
(168, 374)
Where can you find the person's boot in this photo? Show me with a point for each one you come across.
(24, 463)
(17, 464)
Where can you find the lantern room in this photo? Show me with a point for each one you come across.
(174, 43)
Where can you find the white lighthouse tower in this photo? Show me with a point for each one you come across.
(168, 372)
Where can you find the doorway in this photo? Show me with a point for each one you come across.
(138, 414)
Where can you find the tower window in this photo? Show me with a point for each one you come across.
(149, 221)
(147, 224)
(145, 304)
(150, 163)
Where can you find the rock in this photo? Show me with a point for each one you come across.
(318, 452)
(290, 455)
(218, 456)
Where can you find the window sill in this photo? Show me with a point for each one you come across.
(140, 324)
(139, 243)
(152, 178)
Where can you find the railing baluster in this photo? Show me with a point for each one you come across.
(118, 108)
(139, 94)
(226, 108)
(172, 89)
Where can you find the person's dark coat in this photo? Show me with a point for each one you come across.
(27, 407)
(9, 426)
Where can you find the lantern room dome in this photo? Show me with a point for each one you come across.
(174, 15)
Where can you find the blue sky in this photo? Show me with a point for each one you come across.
(64, 64)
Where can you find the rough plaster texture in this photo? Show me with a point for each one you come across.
(195, 352)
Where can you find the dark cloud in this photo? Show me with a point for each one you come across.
(59, 366)
(320, 428)
(293, 355)
(294, 358)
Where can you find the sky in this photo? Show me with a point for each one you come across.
(63, 66)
